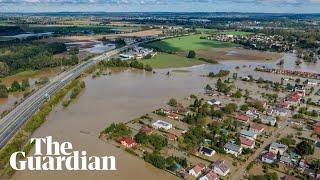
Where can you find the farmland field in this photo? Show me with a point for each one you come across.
(187, 43)
(171, 61)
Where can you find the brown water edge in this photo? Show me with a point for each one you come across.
(117, 98)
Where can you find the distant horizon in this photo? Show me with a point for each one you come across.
(174, 12)
(245, 6)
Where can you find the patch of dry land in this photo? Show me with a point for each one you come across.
(149, 32)
(237, 54)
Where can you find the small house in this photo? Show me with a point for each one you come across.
(278, 148)
(159, 124)
(256, 128)
(221, 167)
(196, 170)
(211, 175)
(127, 142)
(269, 120)
(214, 102)
(207, 151)
(281, 112)
(269, 158)
(233, 149)
(248, 134)
(247, 143)
(243, 118)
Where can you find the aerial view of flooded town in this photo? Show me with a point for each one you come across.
(171, 95)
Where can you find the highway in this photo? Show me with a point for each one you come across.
(10, 123)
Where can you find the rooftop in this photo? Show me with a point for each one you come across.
(232, 147)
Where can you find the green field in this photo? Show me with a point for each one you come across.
(170, 61)
(187, 43)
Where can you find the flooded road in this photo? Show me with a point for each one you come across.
(123, 96)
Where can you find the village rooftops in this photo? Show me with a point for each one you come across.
(277, 147)
(211, 175)
(222, 165)
(249, 134)
(243, 118)
(233, 147)
(214, 102)
(257, 128)
(207, 151)
(247, 143)
(159, 124)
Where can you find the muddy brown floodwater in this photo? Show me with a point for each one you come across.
(121, 97)
(117, 98)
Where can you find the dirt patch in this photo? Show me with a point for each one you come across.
(235, 54)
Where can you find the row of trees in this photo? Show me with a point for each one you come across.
(30, 56)
(118, 63)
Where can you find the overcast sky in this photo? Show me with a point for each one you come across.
(277, 6)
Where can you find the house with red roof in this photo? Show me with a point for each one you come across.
(247, 143)
(316, 128)
(295, 98)
(257, 128)
(128, 142)
(243, 118)
(196, 170)
(211, 175)
(171, 137)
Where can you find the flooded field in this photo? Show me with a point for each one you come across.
(123, 96)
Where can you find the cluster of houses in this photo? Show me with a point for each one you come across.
(275, 42)
(137, 53)
(212, 172)
(279, 153)
(287, 72)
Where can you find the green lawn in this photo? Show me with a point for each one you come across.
(187, 43)
(170, 61)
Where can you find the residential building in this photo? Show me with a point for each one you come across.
(281, 112)
(211, 175)
(269, 120)
(128, 142)
(207, 151)
(221, 167)
(253, 113)
(248, 134)
(277, 147)
(256, 128)
(243, 118)
(247, 143)
(214, 102)
(159, 124)
(232, 148)
(171, 137)
(269, 158)
(146, 129)
(196, 170)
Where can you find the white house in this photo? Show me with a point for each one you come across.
(214, 102)
(221, 168)
(159, 124)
